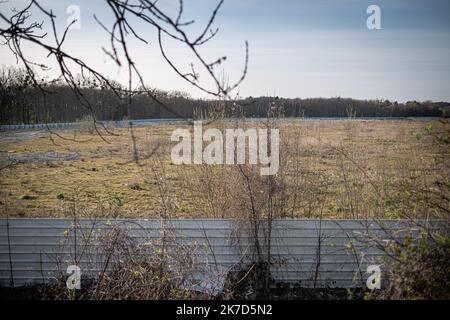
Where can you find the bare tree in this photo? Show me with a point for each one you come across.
(22, 27)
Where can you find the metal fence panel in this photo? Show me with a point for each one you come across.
(29, 248)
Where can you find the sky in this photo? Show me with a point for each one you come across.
(297, 48)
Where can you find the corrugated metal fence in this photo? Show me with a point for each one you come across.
(331, 253)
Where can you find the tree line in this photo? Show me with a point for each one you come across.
(23, 102)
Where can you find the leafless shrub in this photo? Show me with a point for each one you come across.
(419, 269)
(116, 264)
(154, 270)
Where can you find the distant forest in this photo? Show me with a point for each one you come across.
(22, 102)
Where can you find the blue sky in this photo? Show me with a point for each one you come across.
(314, 48)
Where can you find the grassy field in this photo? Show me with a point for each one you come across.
(337, 169)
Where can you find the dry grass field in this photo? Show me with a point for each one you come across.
(333, 169)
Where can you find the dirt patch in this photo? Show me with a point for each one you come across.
(43, 157)
(13, 137)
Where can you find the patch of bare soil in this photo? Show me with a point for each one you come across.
(26, 157)
(19, 136)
